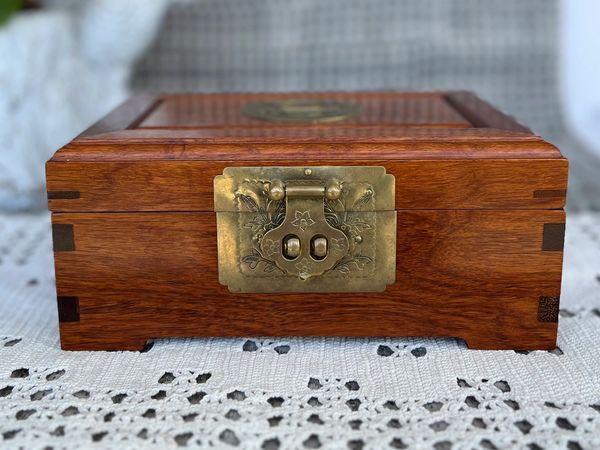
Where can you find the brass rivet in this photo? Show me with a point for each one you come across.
(318, 247)
(291, 247)
(307, 172)
(333, 189)
(358, 239)
(276, 190)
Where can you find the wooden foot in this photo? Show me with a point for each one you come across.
(539, 339)
(94, 341)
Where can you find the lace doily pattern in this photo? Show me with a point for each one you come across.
(304, 393)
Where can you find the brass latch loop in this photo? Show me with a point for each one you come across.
(304, 233)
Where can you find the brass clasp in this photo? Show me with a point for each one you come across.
(304, 245)
(306, 229)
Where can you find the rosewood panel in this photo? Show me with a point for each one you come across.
(375, 108)
(481, 114)
(483, 276)
(188, 185)
(401, 109)
(126, 116)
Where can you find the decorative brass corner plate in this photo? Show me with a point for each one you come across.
(306, 229)
(301, 110)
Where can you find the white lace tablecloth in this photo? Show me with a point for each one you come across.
(292, 392)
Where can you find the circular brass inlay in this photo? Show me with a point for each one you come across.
(299, 110)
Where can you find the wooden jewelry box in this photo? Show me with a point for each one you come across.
(336, 214)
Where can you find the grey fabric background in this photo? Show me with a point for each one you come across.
(504, 50)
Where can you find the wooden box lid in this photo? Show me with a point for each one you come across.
(446, 150)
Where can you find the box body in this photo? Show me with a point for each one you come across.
(478, 202)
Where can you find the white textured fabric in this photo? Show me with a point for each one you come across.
(60, 70)
(293, 392)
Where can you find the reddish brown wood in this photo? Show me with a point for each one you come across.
(477, 275)
(412, 143)
(128, 115)
(376, 109)
(480, 222)
(428, 184)
(481, 114)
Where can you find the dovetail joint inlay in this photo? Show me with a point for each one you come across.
(553, 237)
(550, 193)
(68, 309)
(548, 309)
(63, 237)
(63, 195)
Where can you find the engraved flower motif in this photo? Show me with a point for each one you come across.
(302, 220)
(304, 266)
(338, 243)
(270, 247)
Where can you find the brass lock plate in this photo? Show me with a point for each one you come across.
(306, 229)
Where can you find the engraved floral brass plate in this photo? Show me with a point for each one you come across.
(301, 110)
(306, 229)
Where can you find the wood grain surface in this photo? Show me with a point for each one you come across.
(126, 116)
(481, 114)
(426, 184)
(480, 222)
(476, 275)
(376, 108)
